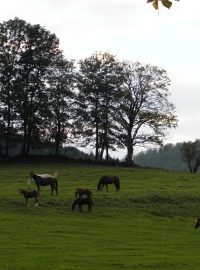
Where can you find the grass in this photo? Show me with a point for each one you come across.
(149, 224)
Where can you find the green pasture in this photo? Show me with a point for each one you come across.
(149, 224)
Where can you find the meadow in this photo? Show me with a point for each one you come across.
(148, 224)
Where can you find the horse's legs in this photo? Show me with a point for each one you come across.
(107, 187)
(102, 187)
(80, 207)
(89, 207)
(38, 187)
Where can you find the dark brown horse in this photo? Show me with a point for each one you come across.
(30, 194)
(81, 192)
(44, 180)
(197, 223)
(82, 201)
(107, 180)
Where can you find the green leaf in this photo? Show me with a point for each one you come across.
(155, 4)
(166, 3)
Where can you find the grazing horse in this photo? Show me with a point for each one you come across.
(44, 180)
(80, 192)
(30, 194)
(197, 224)
(82, 201)
(106, 180)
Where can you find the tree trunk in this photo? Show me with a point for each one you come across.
(57, 141)
(102, 151)
(7, 139)
(129, 158)
(97, 142)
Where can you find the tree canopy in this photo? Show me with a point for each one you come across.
(101, 102)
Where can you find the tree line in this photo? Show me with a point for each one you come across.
(182, 156)
(47, 100)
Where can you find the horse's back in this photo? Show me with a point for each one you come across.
(46, 176)
(108, 179)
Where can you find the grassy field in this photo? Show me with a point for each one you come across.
(149, 224)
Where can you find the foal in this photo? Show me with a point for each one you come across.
(30, 194)
(82, 201)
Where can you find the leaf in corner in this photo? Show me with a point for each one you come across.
(166, 3)
(155, 4)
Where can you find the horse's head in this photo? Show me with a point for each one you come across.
(98, 187)
(21, 190)
(99, 184)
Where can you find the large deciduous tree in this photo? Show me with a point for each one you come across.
(26, 52)
(11, 36)
(98, 81)
(144, 111)
(60, 97)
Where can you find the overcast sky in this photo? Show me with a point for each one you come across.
(131, 30)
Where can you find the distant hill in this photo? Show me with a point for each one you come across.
(168, 157)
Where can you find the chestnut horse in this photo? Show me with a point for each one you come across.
(107, 180)
(82, 201)
(44, 180)
(81, 191)
(30, 194)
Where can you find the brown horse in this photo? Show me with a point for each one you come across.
(44, 180)
(106, 180)
(30, 194)
(82, 201)
(81, 191)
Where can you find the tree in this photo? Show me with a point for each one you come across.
(191, 155)
(26, 52)
(60, 96)
(98, 80)
(10, 34)
(143, 112)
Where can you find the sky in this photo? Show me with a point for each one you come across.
(131, 30)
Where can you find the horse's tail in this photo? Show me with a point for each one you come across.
(56, 184)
